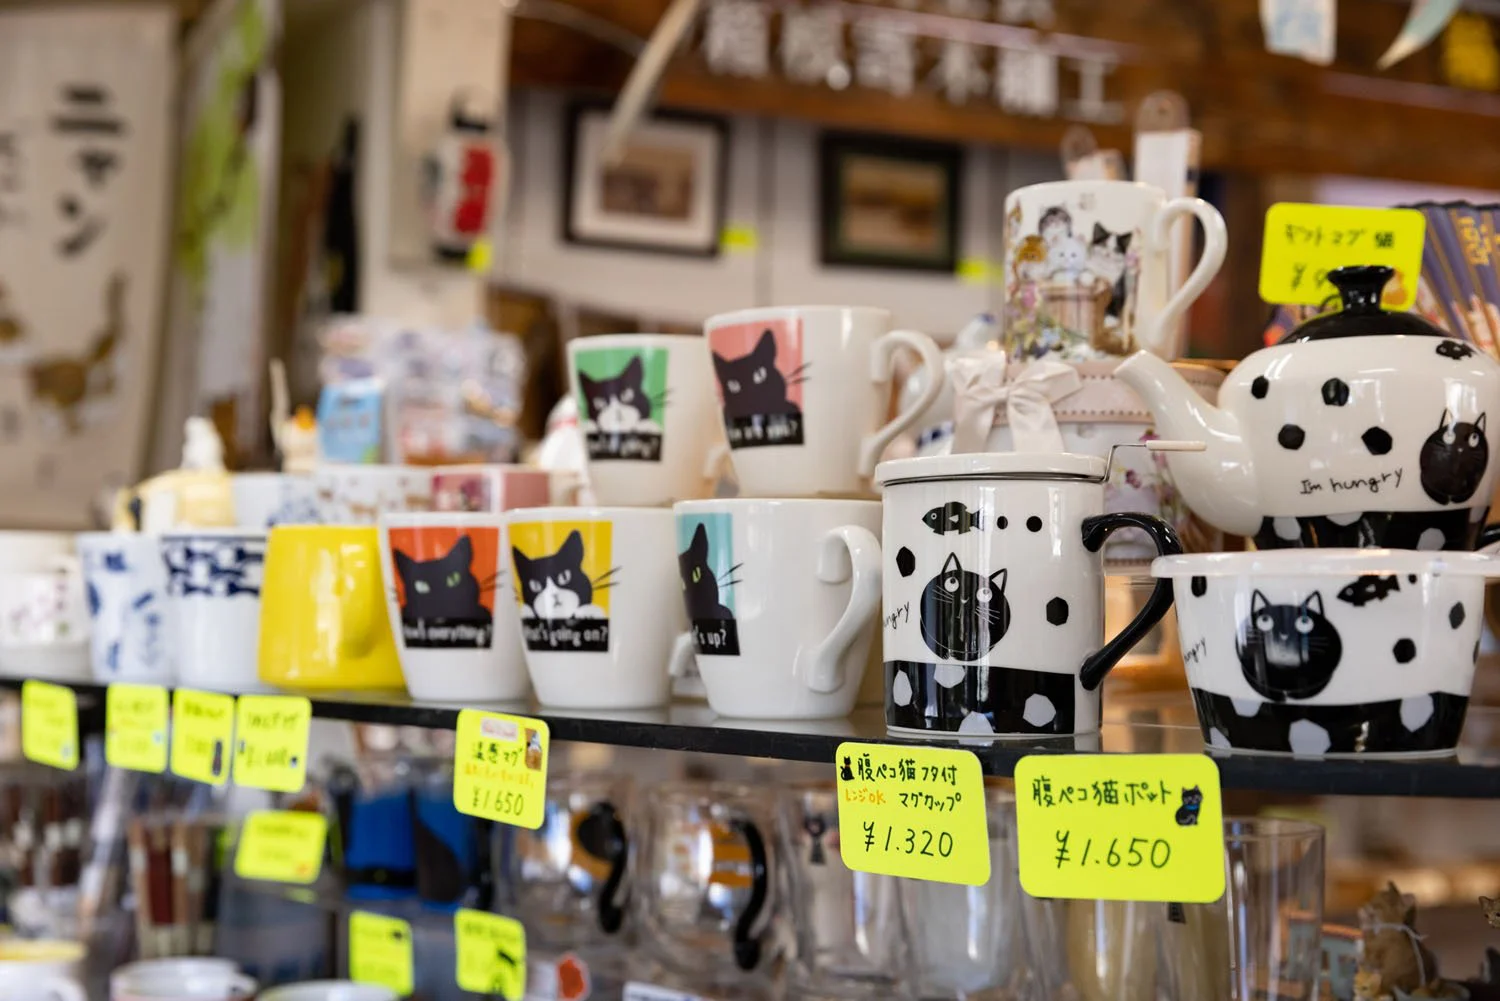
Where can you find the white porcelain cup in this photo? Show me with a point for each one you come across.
(359, 495)
(214, 578)
(452, 609)
(329, 990)
(151, 978)
(646, 407)
(32, 550)
(38, 970)
(44, 622)
(131, 635)
(780, 597)
(599, 603)
(264, 499)
(804, 392)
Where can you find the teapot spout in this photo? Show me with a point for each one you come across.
(1218, 483)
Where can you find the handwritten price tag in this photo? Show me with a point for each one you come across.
(491, 954)
(49, 725)
(202, 729)
(135, 727)
(1120, 827)
(270, 750)
(1305, 242)
(500, 767)
(913, 811)
(282, 846)
(380, 951)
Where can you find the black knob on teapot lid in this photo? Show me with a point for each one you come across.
(1360, 288)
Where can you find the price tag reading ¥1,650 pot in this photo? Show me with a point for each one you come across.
(135, 727)
(283, 846)
(491, 954)
(49, 724)
(913, 811)
(380, 951)
(500, 767)
(1305, 242)
(202, 728)
(1120, 827)
(270, 742)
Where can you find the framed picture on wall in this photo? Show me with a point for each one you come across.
(889, 203)
(666, 194)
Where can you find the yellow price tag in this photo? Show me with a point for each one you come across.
(1120, 827)
(49, 724)
(917, 812)
(481, 256)
(135, 727)
(270, 741)
(500, 767)
(1304, 242)
(380, 951)
(739, 238)
(282, 846)
(491, 954)
(202, 731)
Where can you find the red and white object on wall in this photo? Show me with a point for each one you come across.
(464, 174)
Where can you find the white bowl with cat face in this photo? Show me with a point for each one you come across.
(1333, 651)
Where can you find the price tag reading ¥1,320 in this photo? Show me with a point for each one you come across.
(491, 954)
(1305, 242)
(500, 767)
(282, 846)
(270, 742)
(380, 951)
(49, 725)
(913, 811)
(202, 728)
(135, 727)
(1120, 827)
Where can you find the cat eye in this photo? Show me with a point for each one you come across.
(627, 396)
(453, 578)
(1263, 623)
(535, 587)
(697, 574)
(1473, 441)
(759, 376)
(422, 587)
(983, 595)
(1449, 437)
(950, 582)
(1304, 624)
(733, 385)
(563, 578)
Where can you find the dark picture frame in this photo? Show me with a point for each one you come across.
(669, 195)
(876, 192)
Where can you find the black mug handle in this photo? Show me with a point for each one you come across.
(747, 946)
(615, 848)
(1097, 529)
(1489, 535)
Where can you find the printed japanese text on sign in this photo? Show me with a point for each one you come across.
(380, 951)
(283, 846)
(49, 725)
(491, 954)
(202, 729)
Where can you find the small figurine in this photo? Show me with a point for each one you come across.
(202, 448)
(1491, 908)
(294, 435)
(197, 494)
(1396, 962)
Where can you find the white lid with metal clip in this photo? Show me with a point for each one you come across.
(1015, 465)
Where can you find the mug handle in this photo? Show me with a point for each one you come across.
(358, 608)
(747, 946)
(715, 464)
(883, 369)
(825, 672)
(1215, 243)
(683, 653)
(1095, 530)
(64, 989)
(1489, 536)
(612, 911)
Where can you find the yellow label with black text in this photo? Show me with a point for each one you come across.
(1120, 827)
(917, 812)
(135, 727)
(270, 741)
(49, 724)
(202, 731)
(1303, 243)
(282, 846)
(500, 767)
(380, 951)
(491, 954)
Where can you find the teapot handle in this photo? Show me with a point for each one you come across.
(1095, 530)
(1157, 336)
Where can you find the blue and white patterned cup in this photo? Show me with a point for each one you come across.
(213, 580)
(126, 584)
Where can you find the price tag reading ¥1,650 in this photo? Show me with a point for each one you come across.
(270, 742)
(500, 767)
(135, 727)
(202, 728)
(1120, 827)
(380, 951)
(491, 954)
(283, 846)
(49, 725)
(1305, 242)
(913, 811)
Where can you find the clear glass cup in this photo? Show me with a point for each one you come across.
(967, 942)
(1092, 950)
(849, 938)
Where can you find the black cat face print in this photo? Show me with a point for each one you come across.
(963, 614)
(1454, 458)
(706, 565)
(760, 371)
(622, 393)
(1288, 651)
(445, 584)
(562, 580)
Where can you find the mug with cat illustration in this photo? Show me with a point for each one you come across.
(994, 593)
(646, 408)
(448, 596)
(780, 626)
(805, 391)
(599, 603)
(1087, 269)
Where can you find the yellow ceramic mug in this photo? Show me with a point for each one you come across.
(323, 621)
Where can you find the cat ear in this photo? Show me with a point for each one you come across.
(1257, 602)
(523, 562)
(1003, 575)
(1314, 603)
(1125, 241)
(952, 564)
(1480, 423)
(572, 548)
(587, 385)
(462, 551)
(404, 564)
(633, 370)
(1101, 234)
(699, 546)
(720, 364)
(765, 348)
(1447, 419)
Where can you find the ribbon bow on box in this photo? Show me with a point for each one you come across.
(980, 384)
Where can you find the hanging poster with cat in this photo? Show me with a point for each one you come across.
(705, 559)
(760, 371)
(445, 580)
(563, 575)
(86, 97)
(621, 395)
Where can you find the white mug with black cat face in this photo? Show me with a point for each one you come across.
(599, 603)
(646, 408)
(993, 619)
(805, 391)
(1087, 268)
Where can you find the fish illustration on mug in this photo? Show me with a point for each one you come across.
(953, 517)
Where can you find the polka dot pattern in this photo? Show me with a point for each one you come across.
(1405, 651)
(1057, 611)
(1377, 441)
(906, 561)
(1260, 387)
(1291, 437)
(1335, 392)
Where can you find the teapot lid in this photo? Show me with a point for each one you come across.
(1360, 288)
(993, 466)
